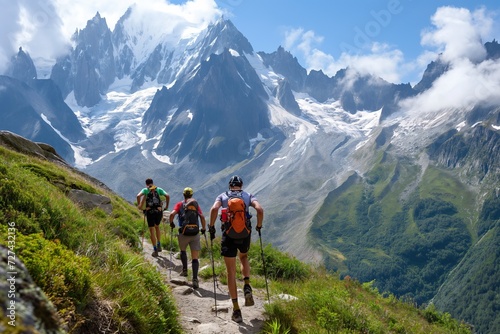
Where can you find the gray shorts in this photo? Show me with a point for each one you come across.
(193, 241)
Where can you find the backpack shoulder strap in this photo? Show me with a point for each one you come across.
(240, 194)
(192, 202)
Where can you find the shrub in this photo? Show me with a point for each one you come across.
(279, 265)
(63, 276)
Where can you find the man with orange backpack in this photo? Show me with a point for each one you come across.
(236, 236)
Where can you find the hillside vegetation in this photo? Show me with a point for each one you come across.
(89, 265)
(87, 262)
(416, 231)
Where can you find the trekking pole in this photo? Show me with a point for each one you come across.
(143, 232)
(171, 263)
(213, 269)
(165, 225)
(264, 264)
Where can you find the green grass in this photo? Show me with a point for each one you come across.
(325, 304)
(441, 184)
(322, 303)
(367, 229)
(82, 258)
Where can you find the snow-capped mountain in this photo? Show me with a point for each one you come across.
(193, 107)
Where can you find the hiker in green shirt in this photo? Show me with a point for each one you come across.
(149, 200)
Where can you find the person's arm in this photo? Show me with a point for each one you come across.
(171, 218)
(167, 201)
(214, 210)
(140, 197)
(203, 223)
(260, 213)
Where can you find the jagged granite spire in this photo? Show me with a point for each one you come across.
(21, 67)
(89, 69)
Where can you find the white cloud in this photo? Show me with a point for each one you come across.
(470, 80)
(43, 27)
(465, 84)
(456, 32)
(380, 60)
(193, 11)
(33, 25)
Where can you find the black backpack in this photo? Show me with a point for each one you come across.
(189, 218)
(153, 200)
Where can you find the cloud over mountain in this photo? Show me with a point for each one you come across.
(34, 25)
(455, 32)
(458, 37)
(458, 33)
(44, 27)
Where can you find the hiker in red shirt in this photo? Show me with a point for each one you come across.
(190, 215)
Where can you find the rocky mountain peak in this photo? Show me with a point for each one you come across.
(89, 69)
(220, 111)
(433, 71)
(284, 63)
(22, 67)
(223, 35)
(492, 49)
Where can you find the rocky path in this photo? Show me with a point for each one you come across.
(197, 307)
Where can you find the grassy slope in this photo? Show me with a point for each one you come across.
(88, 265)
(480, 291)
(407, 230)
(86, 262)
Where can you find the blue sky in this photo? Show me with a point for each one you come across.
(397, 22)
(393, 39)
(352, 27)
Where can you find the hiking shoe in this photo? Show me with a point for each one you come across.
(247, 290)
(195, 283)
(158, 248)
(184, 272)
(236, 317)
(154, 254)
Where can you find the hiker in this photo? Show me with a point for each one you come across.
(189, 215)
(236, 239)
(149, 200)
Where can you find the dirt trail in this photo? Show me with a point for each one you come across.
(196, 307)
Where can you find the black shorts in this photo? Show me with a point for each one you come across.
(230, 247)
(154, 217)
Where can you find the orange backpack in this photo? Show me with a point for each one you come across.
(237, 225)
